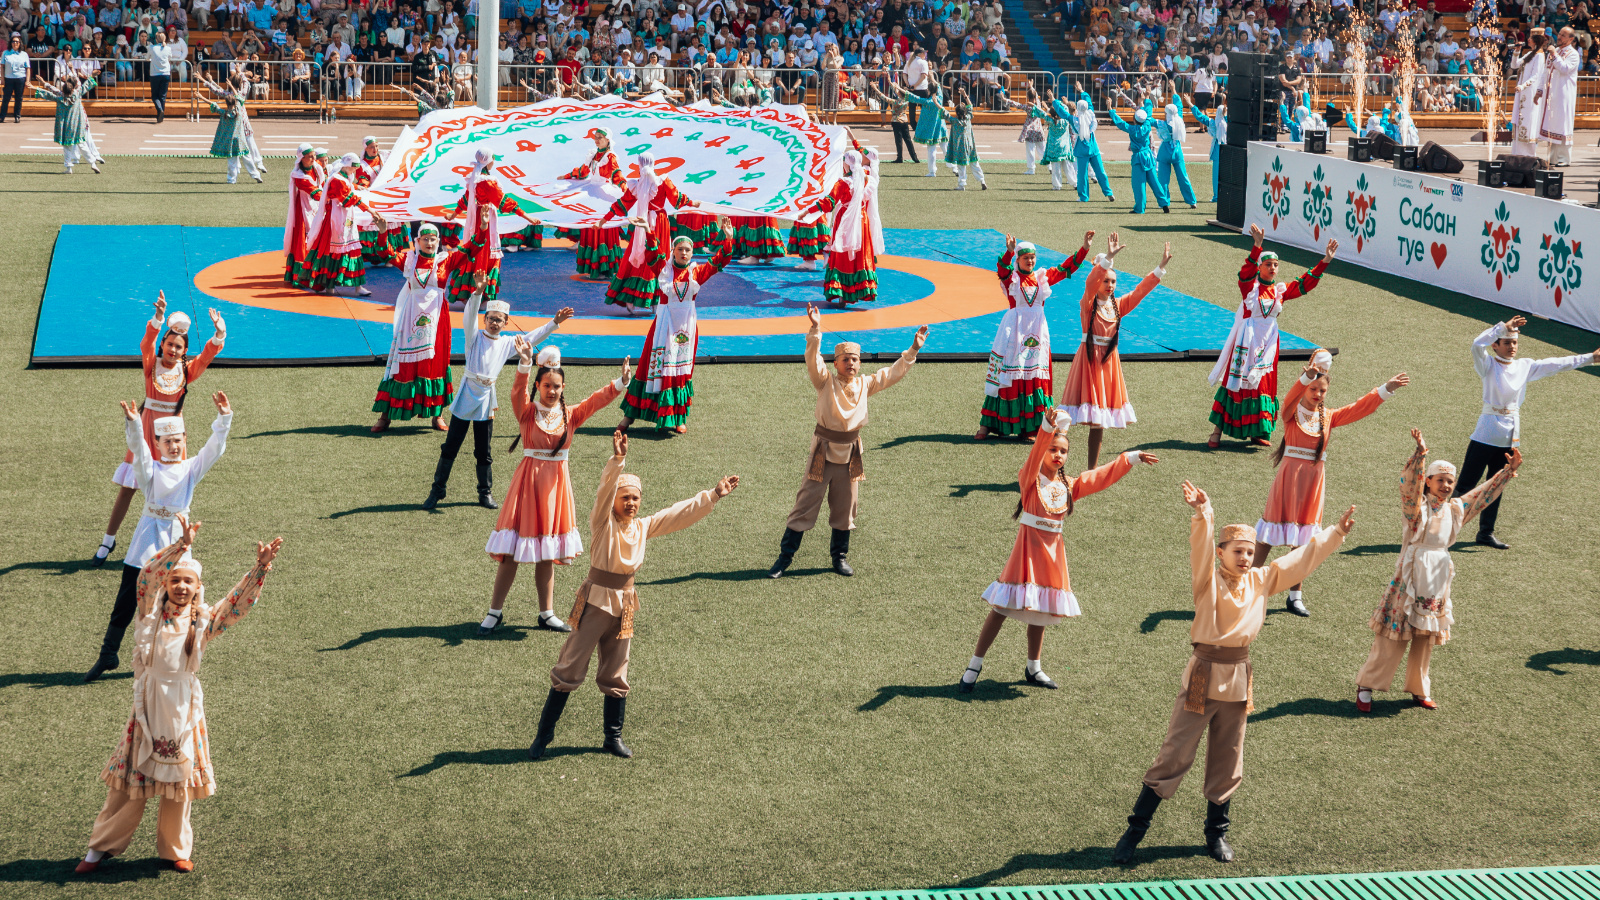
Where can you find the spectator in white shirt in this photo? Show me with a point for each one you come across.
(178, 54)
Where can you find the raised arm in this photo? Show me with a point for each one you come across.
(1247, 272)
(605, 496)
(1303, 285)
(1363, 407)
(1544, 368)
(1202, 548)
(244, 595)
(1411, 483)
(152, 331)
(1482, 347)
(1117, 121)
(816, 369)
(596, 401)
(1028, 476)
(199, 364)
(214, 448)
(143, 463)
(1127, 302)
(717, 263)
(1096, 480)
(889, 376)
(519, 391)
(681, 515)
(1068, 266)
(1296, 565)
(1200, 116)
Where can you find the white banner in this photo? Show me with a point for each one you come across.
(1508, 248)
(770, 160)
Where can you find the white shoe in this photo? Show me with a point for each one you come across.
(95, 167)
(809, 265)
(363, 292)
(257, 178)
(232, 181)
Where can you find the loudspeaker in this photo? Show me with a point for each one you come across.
(1518, 171)
(1230, 205)
(1316, 142)
(1233, 165)
(1243, 89)
(1244, 64)
(1491, 173)
(1383, 146)
(1241, 133)
(1360, 150)
(1547, 183)
(1434, 158)
(1405, 157)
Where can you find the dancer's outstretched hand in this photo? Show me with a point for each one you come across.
(563, 314)
(1257, 235)
(1333, 247)
(619, 443)
(266, 553)
(217, 323)
(1194, 496)
(524, 350)
(813, 316)
(1166, 254)
(1011, 245)
(1517, 322)
(161, 305)
(186, 531)
(1347, 521)
(726, 486)
(1088, 240)
(920, 338)
(131, 410)
(221, 400)
(627, 369)
(1114, 246)
(1416, 435)
(1148, 458)
(1397, 382)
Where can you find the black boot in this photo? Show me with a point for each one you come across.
(1216, 828)
(839, 550)
(786, 551)
(486, 486)
(107, 660)
(616, 709)
(553, 705)
(441, 477)
(1144, 809)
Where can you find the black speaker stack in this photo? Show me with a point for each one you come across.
(1252, 116)
(1547, 183)
(1405, 157)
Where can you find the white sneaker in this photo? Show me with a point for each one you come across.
(363, 292)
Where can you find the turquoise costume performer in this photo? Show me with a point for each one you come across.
(961, 150)
(930, 126)
(1057, 143)
(72, 123)
(1169, 158)
(1088, 151)
(1144, 163)
(1217, 127)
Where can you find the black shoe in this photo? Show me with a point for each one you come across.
(839, 549)
(441, 478)
(915, 161)
(616, 709)
(487, 501)
(965, 686)
(101, 666)
(433, 499)
(842, 567)
(554, 703)
(780, 566)
(486, 486)
(1298, 607)
(552, 622)
(984, 185)
(97, 560)
(1144, 809)
(499, 616)
(899, 160)
(1166, 209)
(1039, 678)
(1489, 540)
(786, 551)
(1216, 827)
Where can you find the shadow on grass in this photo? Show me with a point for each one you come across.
(985, 691)
(1228, 446)
(61, 567)
(1156, 618)
(1071, 860)
(55, 679)
(450, 635)
(345, 430)
(1336, 709)
(1187, 228)
(1549, 659)
(398, 507)
(962, 490)
(498, 757)
(958, 439)
(1372, 550)
(59, 872)
(736, 575)
(646, 432)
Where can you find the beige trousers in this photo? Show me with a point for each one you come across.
(119, 819)
(1379, 671)
(596, 628)
(1560, 154)
(1224, 749)
(842, 493)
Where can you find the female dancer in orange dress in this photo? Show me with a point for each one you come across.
(1294, 505)
(1095, 394)
(167, 374)
(537, 524)
(1034, 588)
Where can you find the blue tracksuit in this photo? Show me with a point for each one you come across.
(1087, 152)
(1218, 129)
(1169, 159)
(1144, 163)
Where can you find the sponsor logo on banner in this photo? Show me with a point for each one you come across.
(1404, 183)
(1358, 218)
(1458, 191)
(1500, 255)
(1275, 199)
(1317, 208)
(1431, 191)
(1559, 265)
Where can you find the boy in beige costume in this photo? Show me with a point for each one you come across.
(603, 615)
(1230, 606)
(833, 464)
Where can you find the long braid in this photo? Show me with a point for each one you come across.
(1116, 317)
(194, 626)
(533, 384)
(1322, 432)
(1061, 474)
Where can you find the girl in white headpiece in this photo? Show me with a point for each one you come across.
(644, 204)
(1294, 503)
(1095, 393)
(537, 522)
(168, 372)
(663, 390)
(165, 752)
(72, 123)
(852, 274)
(333, 252)
(480, 207)
(1217, 127)
(416, 381)
(599, 249)
(1416, 608)
(1020, 382)
(305, 194)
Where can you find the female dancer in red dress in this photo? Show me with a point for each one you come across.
(644, 202)
(599, 249)
(481, 243)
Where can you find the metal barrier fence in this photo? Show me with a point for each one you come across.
(278, 85)
(116, 79)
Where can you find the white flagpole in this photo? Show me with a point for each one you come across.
(488, 53)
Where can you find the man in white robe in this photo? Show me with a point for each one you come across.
(1561, 105)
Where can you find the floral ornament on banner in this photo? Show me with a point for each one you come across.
(1558, 265)
(1317, 208)
(1358, 218)
(1275, 199)
(1499, 254)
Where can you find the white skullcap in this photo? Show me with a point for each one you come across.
(1026, 247)
(498, 306)
(187, 562)
(481, 158)
(1441, 467)
(348, 160)
(1139, 115)
(428, 228)
(168, 425)
(1322, 359)
(178, 323)
(306, 148)
(549, 357)
(369, 139)
(683, 239)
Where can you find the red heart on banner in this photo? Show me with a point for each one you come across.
(1438, 250)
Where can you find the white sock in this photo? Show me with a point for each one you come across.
(94, 856)
(1364, 695)
(971, 674)
(492, 619)
(550, 618)
(108, 540)
(1034, 667)
(1294, 593)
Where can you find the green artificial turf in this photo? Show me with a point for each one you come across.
(798, 735)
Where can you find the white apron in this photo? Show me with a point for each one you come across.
(1021, 349)
(167, 700)
(416, 313)
(673, 336)
(1252, 348)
